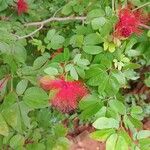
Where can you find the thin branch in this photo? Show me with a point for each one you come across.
(58, 19)
(113, 5)
(57, 11)
(42, 23)
(146, 4)
(145, 26)
(30, 34)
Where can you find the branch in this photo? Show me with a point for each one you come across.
(113, 5)
(146, 4)
(30, 34)
(145, 26)
(58, 19)
(42, 23)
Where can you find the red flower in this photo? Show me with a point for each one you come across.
(22, 6)
(67, 93)
(129, 22)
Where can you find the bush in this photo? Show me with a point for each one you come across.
(61, 60)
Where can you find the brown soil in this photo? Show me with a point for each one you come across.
(84, 142)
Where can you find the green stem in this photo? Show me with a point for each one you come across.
(11, 84)
(113, 5)
(146, 4)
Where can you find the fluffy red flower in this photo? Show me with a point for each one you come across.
(129, 22)
(22, 6)
(67, 93)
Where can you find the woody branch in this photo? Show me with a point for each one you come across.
(52, 19)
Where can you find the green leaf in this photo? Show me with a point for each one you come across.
(103, 84)
(128, 123)
(111, 142)
(117, 106)
(136, 110)
(108, 11)
(120, 77)
(67, 9)
(3, 5)
(106, 29)
(109, 85)
(62, 143)
(16, 141)
(133, 53)
(57, 41)
(131, 66)
(96, 75)
(148, 33)
(50, 34)
(37, 146)
(102, 135)
(17, 117)
(113, 114)
(51, 71)
(83, 63)
(95, 13)
(77, 58)
(4, 130)
(144, 143)
(35, 97)
(54, 40)
(12, 116)
(147, 81)
(131, 43)
(106, 123)
(95, 70)
(66, 54)
(101, 113)
(24, 110)
(95, 81)
(135, 122)
(9, 100)
(40, 61)
(73, 73)
(112, 86)
(21, 87)
(121, 144)
(93, 50)
(112, 47)
(68, 67)
(77, 40)
(89, 106)
(143, 134)
(59, 130)
(98, 22)
(92, 39)
(19, 52)
(126, 136)
(80, 71)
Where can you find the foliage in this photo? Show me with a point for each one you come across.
(76, 49)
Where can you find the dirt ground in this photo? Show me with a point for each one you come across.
(84, 142)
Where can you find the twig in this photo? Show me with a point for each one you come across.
(148, 3)
(57, 11)
(42, 23)
(145, 26)
(30, 34)
(59, 19)
(113, 5)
